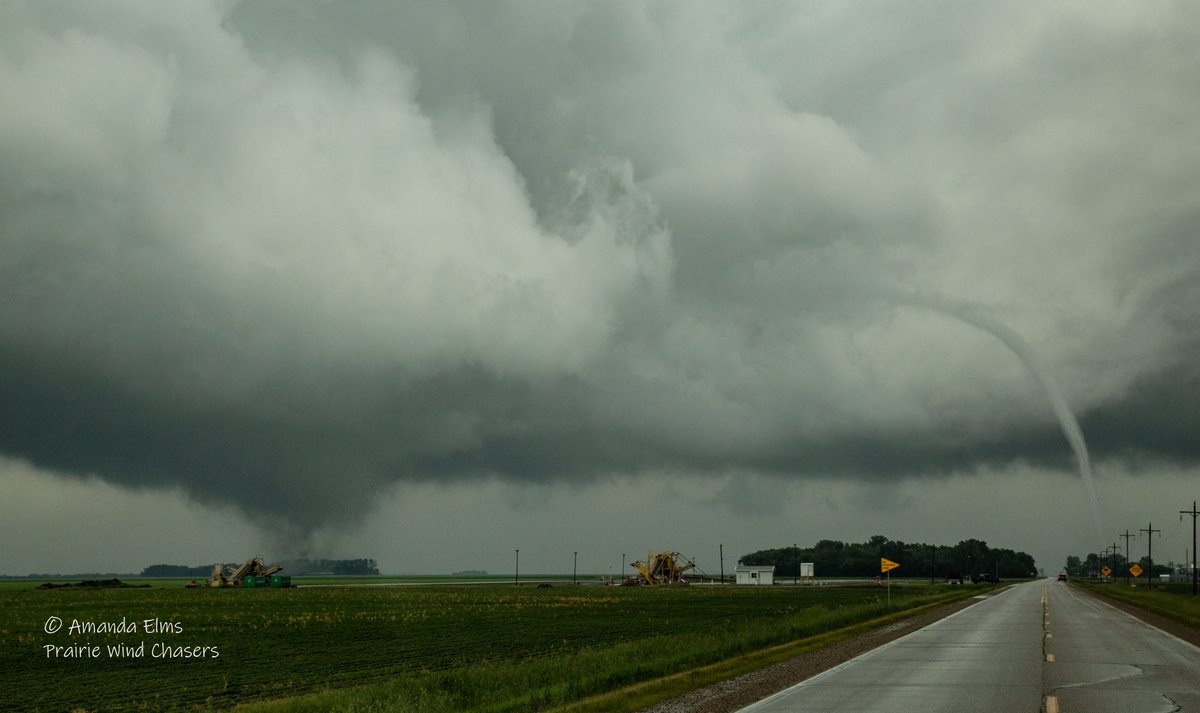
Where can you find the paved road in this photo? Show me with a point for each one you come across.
(1040, 646)
(1107, 661)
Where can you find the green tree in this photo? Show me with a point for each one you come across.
(833, 558)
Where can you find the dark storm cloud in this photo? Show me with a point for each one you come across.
(284, 254)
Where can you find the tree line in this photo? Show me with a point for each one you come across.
(833, 558)
(1093, 564)
(292, 567)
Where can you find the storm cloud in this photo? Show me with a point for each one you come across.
(282, 255)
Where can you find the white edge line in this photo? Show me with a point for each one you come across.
(1098, 599)
(830, 671)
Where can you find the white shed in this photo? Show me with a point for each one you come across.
(750, 574)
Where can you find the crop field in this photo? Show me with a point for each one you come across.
(436, 648)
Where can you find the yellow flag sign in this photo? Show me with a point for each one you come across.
(886, 565)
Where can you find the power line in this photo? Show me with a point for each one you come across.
(1127, 536)
(1149, 530)
(1193, 512)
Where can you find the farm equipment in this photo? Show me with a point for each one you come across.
(664, 568)
(252, 573)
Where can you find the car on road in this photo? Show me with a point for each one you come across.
(1062, 576)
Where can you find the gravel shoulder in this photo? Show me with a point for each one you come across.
(737, 693)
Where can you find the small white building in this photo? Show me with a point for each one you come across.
(752, 574)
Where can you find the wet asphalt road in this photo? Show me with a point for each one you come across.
(1039, 646)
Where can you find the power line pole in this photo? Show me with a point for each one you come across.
(1127, 535)
(1193, 512)
(721, 549)
(517, 569)
(575, 568)
(1149, 530)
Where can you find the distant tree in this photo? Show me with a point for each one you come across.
(166, 570)
(833, 558)
(301, 566)
(176, 570)
(351, 567)
(1159, 567)
(829, 556)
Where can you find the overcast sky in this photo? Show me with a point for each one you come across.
(433, 282)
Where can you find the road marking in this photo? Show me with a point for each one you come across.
(1051, 704)
(764, 702)
(1049, 636)
(1050, 657)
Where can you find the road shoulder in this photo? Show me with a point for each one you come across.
(1189, 634)
(737, 693)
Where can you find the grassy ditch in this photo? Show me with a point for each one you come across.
(1174, 600)
(427, 649)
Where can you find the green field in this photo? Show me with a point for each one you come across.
(436, 648)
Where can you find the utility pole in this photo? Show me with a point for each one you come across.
(517, 570)
(1193, 512)
(575, 568)
(795, 562)
(1127, 535)
(1150, 550)
(932, 563)
(721, 549)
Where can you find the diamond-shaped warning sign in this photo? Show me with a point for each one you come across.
(1106, 571)
(1135, 571)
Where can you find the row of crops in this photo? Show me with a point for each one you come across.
(281, 643)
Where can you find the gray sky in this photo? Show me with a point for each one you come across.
(432, 282)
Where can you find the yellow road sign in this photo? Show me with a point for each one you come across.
(1106, 571)
(1135, 571)
(886, 565)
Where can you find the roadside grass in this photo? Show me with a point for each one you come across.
(647, 693)
(424, 649)
(625, 677)
(1173, 600)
